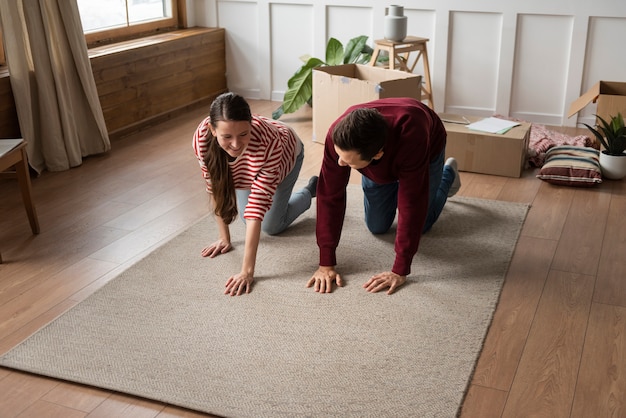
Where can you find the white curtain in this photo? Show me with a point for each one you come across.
(55, 93)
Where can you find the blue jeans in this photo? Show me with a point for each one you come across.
(381, 200)
(286, 207)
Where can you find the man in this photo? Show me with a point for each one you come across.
(398, 145)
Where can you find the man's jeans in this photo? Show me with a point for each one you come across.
(381, 200)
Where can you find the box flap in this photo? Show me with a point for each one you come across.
(590, 96)
(346, 70)
(613, 88)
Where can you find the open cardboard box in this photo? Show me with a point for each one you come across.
(609, 95)
(484, 152)
(337, 87)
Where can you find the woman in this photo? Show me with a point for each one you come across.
(250, 163)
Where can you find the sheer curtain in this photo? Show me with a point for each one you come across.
(55, 93)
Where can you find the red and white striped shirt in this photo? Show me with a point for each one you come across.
(266, 161)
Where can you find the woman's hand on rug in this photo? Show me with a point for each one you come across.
(218, 247)
(384, 280)
(323, 279)
(238, 284)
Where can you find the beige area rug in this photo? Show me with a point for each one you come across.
(164, 330)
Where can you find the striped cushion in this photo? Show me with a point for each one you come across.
(567, 165)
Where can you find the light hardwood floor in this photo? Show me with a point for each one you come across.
(556, 348)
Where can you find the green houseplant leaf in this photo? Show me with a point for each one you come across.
(334, 52)
(611, 134)
(300, 86)
(354, 50)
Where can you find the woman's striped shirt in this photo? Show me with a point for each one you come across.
(266, 161)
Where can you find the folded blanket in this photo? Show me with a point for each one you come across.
(542, 139)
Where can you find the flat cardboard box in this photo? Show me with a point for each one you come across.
(487, 153)
(609, 95)
(335, 88)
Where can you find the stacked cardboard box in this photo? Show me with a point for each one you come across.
(487, 153)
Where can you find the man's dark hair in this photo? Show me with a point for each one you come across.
(363, 130)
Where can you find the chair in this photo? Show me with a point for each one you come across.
(13, 155)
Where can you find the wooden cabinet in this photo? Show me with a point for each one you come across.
(144, 81)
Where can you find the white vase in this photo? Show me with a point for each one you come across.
(395, 23)
(613, 166)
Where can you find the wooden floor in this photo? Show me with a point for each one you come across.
(556, 348)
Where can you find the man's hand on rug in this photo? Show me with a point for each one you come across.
(384, 280)
(238, 284)
(323, 279)
(218, 247)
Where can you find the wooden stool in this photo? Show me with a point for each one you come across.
(13, 154)
(399, 52)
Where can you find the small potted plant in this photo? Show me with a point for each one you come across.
(612, 135)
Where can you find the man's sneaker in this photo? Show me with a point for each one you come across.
(456, 184)
(312, 186)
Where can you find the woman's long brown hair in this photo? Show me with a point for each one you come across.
(226, 107)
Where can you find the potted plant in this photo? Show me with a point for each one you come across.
(612, 135)
(300, 85)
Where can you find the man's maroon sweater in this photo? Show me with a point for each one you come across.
(415, 137)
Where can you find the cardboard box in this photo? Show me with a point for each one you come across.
(335, 88)
(609, 95)
(487, 153)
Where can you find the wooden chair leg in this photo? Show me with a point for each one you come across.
(23, 178)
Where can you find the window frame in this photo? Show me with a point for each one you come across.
(135, 31)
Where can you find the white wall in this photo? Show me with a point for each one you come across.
(527, 59)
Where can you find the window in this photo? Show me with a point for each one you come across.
(106, 21)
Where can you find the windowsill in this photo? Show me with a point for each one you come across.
(129, 45)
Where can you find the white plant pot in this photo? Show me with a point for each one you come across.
(613, 166)
(395, 23)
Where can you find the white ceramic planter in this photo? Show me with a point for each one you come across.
(395, 23)
(613, 166)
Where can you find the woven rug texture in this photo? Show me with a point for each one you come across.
(164, 330)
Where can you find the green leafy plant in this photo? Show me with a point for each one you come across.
(611, 134)
(300, 85)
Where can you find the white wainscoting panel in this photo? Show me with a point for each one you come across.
(473, 57)
(344, 23)
(291, 28)
(541, 61)
(243, 49)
